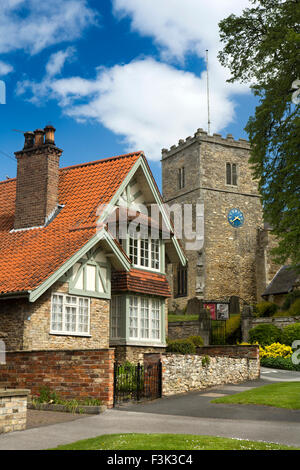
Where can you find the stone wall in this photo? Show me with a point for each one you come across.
(249, 322)
(13, 410)
(27, 325)
(72, 374)
(186, 373)
(184, 329)
(134, 354)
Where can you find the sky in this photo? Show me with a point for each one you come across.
(115, 76)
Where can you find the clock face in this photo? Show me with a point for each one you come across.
(235, 218)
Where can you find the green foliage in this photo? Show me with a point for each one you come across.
(45, 395)
(290, 299)
(290, 333)
(279, 363)
(265, 309)
(205, 361)
(265, 334)
(262, 46)
(181, 346)
(196, 340)
(294, 309)
(233, 330)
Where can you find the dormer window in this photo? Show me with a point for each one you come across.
(231, 174)
(144, 252)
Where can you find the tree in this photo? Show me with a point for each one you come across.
(262, 47)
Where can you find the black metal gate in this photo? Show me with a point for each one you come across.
(137, 382)
(218, 332)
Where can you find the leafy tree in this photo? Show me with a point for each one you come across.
(261, 47)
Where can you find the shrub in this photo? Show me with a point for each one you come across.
(290, 299)
(181, 346)
(265, 334)
(275, 350)
(265, 309)
(233, 330)
(279, 363)
(290, 333)
(294, 308)
(196, 340)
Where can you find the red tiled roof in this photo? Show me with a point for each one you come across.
(29, 257)
(144, 282)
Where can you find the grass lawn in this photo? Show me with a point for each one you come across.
(281, 395)
(172, 318)
(168, 442)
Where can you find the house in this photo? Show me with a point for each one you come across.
(69, 278)
(286, 280)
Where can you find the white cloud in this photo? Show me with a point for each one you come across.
(5, 68)
(57, 61)
(149, 104)
(33, 25)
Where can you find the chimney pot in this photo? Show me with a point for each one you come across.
(49, 134)
(29, 140)
(38, 137)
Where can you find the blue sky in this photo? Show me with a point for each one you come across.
(115, 76)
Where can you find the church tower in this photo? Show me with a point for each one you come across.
(213, 174)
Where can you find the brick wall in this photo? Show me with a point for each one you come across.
(72, 374)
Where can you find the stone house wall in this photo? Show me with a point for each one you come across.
(249, 322)
(27, 325)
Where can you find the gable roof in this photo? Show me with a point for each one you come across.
(283, 282)
(29, 257)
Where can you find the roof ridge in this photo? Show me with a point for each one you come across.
(96, 162)
(8, 180)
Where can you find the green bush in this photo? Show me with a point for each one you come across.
(196, 340)
(265, 309)
(265, 334)
(279, 363)
(181, 346)
(290, 299)
(294, 308)
(290, 333)
(233, 330)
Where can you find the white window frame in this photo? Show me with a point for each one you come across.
(64, 313)
(143, 252)
(154, 319)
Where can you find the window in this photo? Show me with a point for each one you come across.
(231, 174)
(70, 314)
(116, 317)
(181, 178)
(182, 282)
(144, 252)
(144, 318)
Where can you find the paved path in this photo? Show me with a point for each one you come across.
(188, 414)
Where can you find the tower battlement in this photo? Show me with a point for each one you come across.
(202, 136)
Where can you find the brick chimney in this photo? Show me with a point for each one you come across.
(37, 179)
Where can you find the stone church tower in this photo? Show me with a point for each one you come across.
(213, 173)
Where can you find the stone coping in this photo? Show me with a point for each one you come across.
(13, 392)
(86, 409)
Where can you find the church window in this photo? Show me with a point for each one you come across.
(231, 174)
(181, 178)
(182, 282)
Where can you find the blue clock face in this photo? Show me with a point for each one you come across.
(235, 218)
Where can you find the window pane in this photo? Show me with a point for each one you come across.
(133, 317)
(144, 260)
(155, 319)
(144, 316)
(155, 254)
(133, 249)
(234, 174)
(228, 173)
(69, 314)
